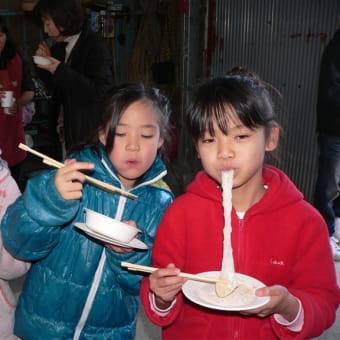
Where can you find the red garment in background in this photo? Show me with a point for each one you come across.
(11, 126)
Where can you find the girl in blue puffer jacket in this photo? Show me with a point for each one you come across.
(76, 288)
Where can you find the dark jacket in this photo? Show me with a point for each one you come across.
(80, 85)
(328, 107)
(76, 285)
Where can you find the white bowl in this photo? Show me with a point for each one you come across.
(110, 227)
(41, 60)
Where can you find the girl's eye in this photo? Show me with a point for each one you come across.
(241, 137)
(117, 134)
(207, 140)
(147, 136)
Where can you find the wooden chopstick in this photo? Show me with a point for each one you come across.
(52, 162)
(146, 269)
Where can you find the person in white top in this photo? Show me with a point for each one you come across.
(10, 268)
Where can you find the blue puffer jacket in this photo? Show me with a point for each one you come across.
(76, 288)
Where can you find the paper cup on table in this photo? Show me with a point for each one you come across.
(7, 101)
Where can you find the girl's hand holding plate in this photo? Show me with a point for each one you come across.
(118, 249)
(281, 302)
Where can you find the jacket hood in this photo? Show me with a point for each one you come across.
(281, 191)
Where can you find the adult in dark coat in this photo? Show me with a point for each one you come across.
(327, 188)
(80, 73)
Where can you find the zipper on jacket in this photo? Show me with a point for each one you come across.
(150, 181)
(239, 238)
(97, 277)
(90, 297)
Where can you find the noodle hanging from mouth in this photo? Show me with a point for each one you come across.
(230, 289)
(228, 259)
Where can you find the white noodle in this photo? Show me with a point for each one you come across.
(228, 259)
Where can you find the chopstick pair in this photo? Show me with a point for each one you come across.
(52, 162)
(147, 269)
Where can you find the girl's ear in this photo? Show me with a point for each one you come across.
(196, 148)
(160, 142)
(273, 138)
(102, 136)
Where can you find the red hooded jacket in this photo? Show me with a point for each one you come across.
(281, 240)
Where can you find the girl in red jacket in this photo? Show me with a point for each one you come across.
(277, 237)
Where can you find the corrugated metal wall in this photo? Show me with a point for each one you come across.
(282, 41)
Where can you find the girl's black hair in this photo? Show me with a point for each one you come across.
(66, 14)
(116, 104)
(240, 91)
(9, 51)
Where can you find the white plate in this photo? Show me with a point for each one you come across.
(204, 294)
(134, 243)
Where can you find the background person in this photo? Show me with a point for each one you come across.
(327, 188)
(80, 74)
(14, 76)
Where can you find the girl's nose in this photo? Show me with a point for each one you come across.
(132, 144)
(225, 150)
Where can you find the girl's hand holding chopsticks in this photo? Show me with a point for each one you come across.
(166, 283)
(69, 179)
(52, 162)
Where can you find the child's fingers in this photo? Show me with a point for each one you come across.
(166, 287)
(131, 223)
(67, 176)
(68, 179)
(75, 169)
(168, 272)
(68, 161)
(73, 175)
(118, 249)
(78, 165)
(69, 189)
(165, 282)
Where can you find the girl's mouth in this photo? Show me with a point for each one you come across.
(227, 168)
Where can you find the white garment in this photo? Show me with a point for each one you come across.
(71, 40)
(10, 268)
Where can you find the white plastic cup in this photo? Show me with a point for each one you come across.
(7, 100)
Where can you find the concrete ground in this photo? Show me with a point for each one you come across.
(147, 331)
